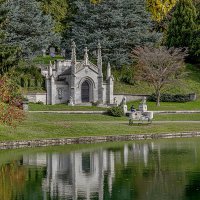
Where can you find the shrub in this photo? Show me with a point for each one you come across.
(40, 103)
(171, 98)
(116, 111)
(96, 103)
(10, 103)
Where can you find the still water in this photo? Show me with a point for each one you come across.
(143, 170)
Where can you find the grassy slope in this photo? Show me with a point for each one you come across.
(190, 84)
(46, 59)
(38, 126)
(193, 105)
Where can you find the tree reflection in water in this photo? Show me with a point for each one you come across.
(12, 180)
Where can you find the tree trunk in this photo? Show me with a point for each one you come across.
(157, 98)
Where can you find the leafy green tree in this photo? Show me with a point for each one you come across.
(160, 8)
(27, 27)
(58, 9)
(183, 29)
(119, 25)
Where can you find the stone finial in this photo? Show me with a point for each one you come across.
(99, 45)
(73, 56)
(108, 71)
(99, 58)
(86, 59)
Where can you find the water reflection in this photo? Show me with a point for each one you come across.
(167, 170)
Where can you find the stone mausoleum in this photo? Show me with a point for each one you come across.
(78, 81)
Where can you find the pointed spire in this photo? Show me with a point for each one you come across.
(86, 59)
(99, 58)
(108, 71)
(50, 70)
(73, 56)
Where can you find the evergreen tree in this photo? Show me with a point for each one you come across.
(119, 25)
(9, 55)
(183, 24)
(27, 27)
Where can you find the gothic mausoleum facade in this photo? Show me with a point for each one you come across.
(78, 81)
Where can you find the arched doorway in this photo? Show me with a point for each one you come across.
(85, 92)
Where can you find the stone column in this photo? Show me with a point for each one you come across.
(73, 76)
(109, 86)
(100, 74)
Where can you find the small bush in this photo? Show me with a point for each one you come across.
(171, 98)
(96, 103)
(116, 111)
(40, 103)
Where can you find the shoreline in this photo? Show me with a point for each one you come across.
(92, 140)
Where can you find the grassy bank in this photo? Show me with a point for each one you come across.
(40, 126)
(193, 105)
(189, 84)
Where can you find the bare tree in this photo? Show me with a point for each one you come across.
(159, 66)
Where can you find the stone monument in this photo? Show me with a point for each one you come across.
(52, 52)
(124, 106)
(115, 101)
(71, 103)
(143, 105)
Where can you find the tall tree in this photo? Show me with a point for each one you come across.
(119, 25)
(160, 8)
(27, 27)
(159, 66)
(182, 28)
(58, 9)
(9, 54)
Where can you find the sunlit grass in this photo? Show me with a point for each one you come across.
(40, 126)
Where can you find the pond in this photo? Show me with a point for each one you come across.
(142, 170)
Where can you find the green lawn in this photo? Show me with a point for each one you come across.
(189, 84)
(46, 59)
(46, 125)
(193, 105)
(63, 107)
(177, 117)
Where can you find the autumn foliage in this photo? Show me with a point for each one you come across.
(11, 112)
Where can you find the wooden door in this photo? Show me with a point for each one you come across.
(85, 92)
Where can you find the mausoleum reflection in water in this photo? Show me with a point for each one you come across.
(81, 174)
(165, 169)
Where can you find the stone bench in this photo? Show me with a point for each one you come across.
(141, 117)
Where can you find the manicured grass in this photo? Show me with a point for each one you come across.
(177, 117)
(46, 59)
(63, 107)
(193, 105)
(189, 84)
(45, 125)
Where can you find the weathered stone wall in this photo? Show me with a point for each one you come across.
(37, 97)
(62, 94)
(95, 139)
(129, 97)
